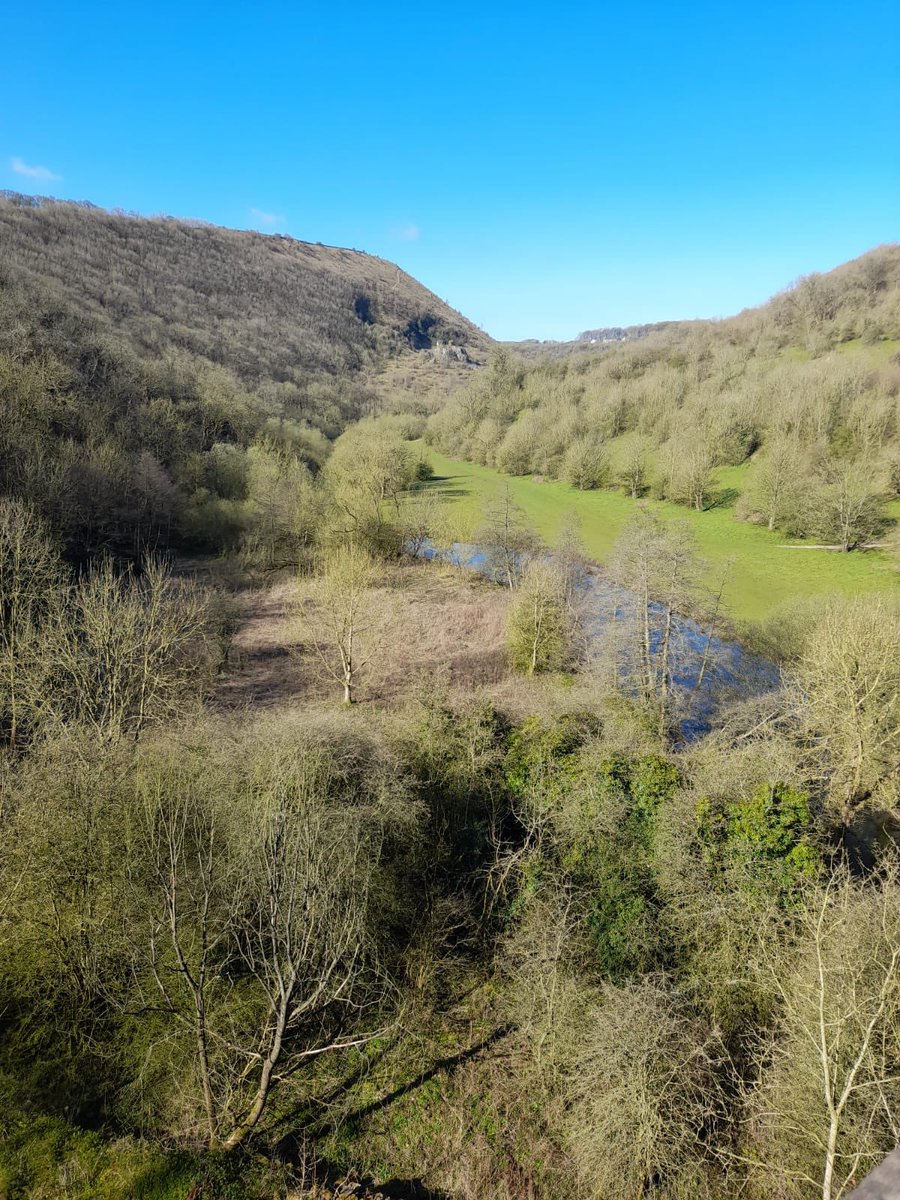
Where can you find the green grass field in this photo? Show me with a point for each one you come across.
(763, 574)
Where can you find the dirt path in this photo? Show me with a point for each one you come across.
(265, 667)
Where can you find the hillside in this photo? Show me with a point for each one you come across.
(787, 413)
(169, 383)
(857, 299)
(266, 307)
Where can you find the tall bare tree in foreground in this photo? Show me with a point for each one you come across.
(254, 929)
(827, 1105)
(340, 615)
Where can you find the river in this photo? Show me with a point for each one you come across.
(709, 673)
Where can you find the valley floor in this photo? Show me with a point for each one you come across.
(763, 574)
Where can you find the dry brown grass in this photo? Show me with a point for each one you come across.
(431, 623)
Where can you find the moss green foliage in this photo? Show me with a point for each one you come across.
(545, 754)
(614, 867)
(770, 833)
(600, 812)
(46, 1158)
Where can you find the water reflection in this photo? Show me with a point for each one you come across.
(708, 672)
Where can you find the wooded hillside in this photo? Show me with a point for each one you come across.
(265, 306)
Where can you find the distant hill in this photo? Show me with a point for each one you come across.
(858, 299)
(266, 307)
(627, 333)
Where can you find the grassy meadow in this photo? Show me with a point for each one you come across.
(763, 575)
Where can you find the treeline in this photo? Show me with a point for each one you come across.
(773, 387)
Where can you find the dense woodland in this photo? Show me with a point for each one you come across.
(806, 390)
(331, 868)
(162, 382)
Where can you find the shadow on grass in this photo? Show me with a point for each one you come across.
(448, 1064)
(312, 1125)
(724, 499)
(409, 1189)
(446, 485)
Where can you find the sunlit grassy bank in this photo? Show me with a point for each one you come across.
(763, 573)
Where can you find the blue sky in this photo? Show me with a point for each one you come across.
(545, 169)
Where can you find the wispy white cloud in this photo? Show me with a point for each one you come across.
(30, 172)
(269, 220)
(407, 233)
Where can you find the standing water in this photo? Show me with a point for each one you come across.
(708, 673)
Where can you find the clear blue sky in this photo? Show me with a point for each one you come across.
(544, 169)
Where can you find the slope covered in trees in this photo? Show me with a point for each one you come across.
(160, 379)
(267, 307)
(801, 393)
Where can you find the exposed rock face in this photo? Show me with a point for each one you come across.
(450, 354)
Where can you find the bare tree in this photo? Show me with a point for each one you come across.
(829, 1085)
(850, 677)
(254, 935)
(644, 1082)
(777, 485)
(585, 465)
(850, 508)
(341, 618)
(690, 478)
(125, 650)
(657, 563)
(634, 473)
(31, 578)
(506, 541)
(538, 631)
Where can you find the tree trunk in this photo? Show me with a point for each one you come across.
(664, 675)
(828, 1177)
(240, 1131)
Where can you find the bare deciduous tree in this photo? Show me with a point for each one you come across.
(644, 1085)
(31, 577)
(341, 618)
(850, 676)
(777, 486)
(506, 541)
(125, 650)
(826, 1105)
(538, 629)
(657, 564)
(254, 928)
